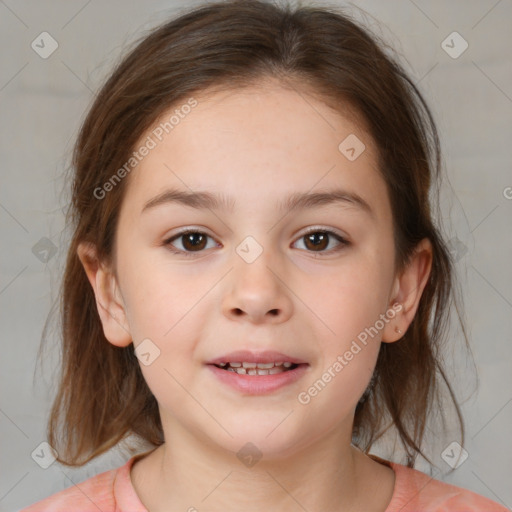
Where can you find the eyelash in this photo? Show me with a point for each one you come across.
(343, 242)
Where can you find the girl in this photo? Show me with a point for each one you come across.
(255, 286)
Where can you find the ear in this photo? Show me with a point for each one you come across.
(407, 291)
(108, 299)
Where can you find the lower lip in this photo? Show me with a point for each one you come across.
(259, 384)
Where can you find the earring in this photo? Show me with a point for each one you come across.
(398, 331)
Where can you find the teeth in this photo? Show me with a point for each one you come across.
(265, 366)
(261, 366)
(246, 368)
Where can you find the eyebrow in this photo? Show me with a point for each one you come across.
(296, 201)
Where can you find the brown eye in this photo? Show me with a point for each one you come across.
(319, 240)
(191, 242)
(194, 241)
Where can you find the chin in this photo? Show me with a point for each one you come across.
(257, 440)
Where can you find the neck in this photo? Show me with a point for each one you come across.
(187, 473)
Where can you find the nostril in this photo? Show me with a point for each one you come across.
(240, 312)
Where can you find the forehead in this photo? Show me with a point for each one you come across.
(254, 146)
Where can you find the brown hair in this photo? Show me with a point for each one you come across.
(102, 396)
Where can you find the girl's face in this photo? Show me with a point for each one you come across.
(252, 172)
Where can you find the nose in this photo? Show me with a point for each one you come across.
(257, 292)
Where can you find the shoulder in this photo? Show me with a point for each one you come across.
(92, 494)
(106, 492)
(414, 490)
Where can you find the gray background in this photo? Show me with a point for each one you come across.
(42, 102)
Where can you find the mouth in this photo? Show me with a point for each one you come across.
(257, 373)
(249, 368)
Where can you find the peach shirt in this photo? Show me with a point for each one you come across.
(414, 491)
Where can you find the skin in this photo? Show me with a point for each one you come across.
(257, 145)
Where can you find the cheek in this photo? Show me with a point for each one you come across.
(348, 306)
(349, 299)
(345, 369)
(165, 314)
(158, 296)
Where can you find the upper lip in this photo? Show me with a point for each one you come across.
(268, 356)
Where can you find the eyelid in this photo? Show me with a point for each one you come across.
(311, 229)
(324, 229)
(342, 239)
(189, 229)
